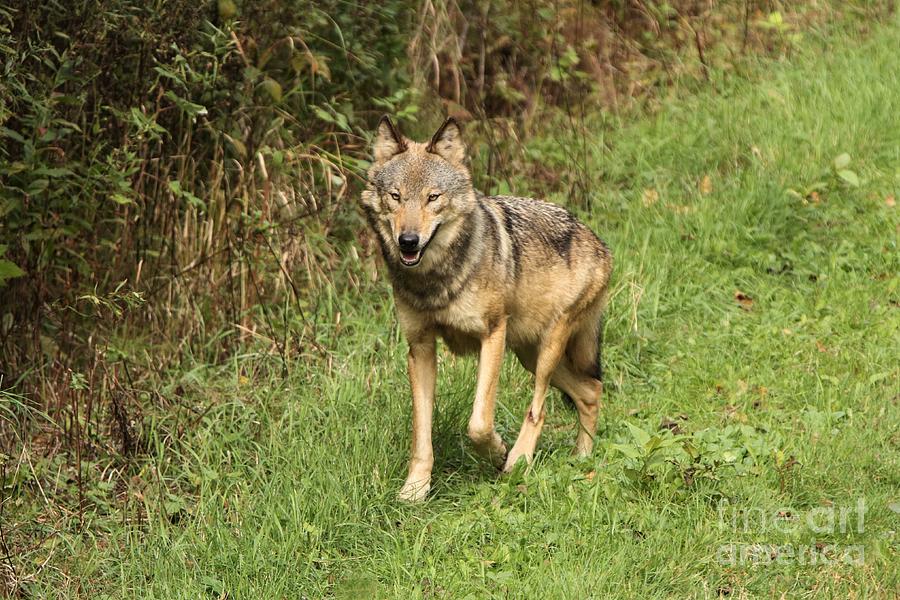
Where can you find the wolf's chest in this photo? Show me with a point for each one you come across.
(464, 323)
(466, 316)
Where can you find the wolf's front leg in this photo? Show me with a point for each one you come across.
(481, 425)
(422, 364)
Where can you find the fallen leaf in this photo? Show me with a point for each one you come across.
(740, 417)
(706, 186)
(590, 475)
(650, 197)
(680, 209)
(670, 425)
(890, 202)
(762, 391)
(821, 347)
(814, 197)
(745, 301)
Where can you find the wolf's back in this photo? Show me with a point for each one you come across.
(541, 230)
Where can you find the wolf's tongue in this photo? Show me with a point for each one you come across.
(410, 256)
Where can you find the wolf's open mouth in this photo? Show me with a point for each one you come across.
(411, 259)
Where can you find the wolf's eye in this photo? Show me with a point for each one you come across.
(433, 197)
(395, 196)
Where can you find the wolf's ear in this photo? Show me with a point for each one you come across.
(447, 142)
(388, 141)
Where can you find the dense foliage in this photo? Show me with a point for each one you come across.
(147, 149)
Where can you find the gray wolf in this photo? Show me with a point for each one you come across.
(484, 273)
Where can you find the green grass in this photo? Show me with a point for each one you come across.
(785, 400)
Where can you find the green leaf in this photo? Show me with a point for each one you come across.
(640, 436)
(213, 586)
(14, 135)
(841, 161)
(52, 172)
(272, 88)
(629, 451)
(227, 9)
(849, 176)
(120, 199)
(632, 474)
(194, 200)
(37, 186)
(192, 109)
(9, 270)
(322, 114)
(238, 146)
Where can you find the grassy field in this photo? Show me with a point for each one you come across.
(749, 439)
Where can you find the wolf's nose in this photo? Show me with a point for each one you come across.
(408, 242)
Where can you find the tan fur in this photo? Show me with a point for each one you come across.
(492, 272)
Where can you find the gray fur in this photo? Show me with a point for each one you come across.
(488, 273)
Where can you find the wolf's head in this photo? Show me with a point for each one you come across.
(418, 194)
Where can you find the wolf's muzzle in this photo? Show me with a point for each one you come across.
(410, 252)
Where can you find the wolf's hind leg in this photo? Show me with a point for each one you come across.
(580, 375)
(422, 365)
(579, 384)
(548, 356)
(585, 392)
(583, 348)
(481, 425)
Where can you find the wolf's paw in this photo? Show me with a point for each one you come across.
(513, 458)
(414, 490)
(584, 447)
(498, 456)
(494, 450)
